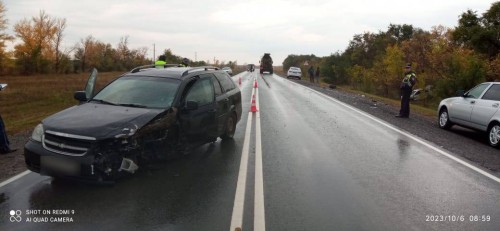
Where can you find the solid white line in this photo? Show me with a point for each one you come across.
(259, 213)
(239, 198)
(421, 141)
(14, 178)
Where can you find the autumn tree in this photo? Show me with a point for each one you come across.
(60, 56)
(4, 37)
(37, 36)
(83, 52)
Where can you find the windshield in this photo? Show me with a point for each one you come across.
(140, 91)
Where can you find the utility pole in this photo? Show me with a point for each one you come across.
(195, 56)
(154, 52)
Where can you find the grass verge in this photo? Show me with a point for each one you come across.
(29, 99)
(415, 108)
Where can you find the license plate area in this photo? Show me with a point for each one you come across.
(59, 165)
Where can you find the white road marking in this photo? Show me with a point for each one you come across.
(419, 140)
(239, 198)
(259, 213)
(14, 178)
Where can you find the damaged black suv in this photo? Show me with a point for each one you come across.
(145, 115)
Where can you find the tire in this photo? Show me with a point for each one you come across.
(230, 127)
(494, 135)
(444, 119)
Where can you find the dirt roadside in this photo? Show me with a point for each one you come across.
(13, 163)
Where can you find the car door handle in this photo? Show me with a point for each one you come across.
(212, 110)
(495, 105)
(472, 102)
(226, 100)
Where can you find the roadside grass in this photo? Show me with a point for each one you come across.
(419, 109)
(29, 99)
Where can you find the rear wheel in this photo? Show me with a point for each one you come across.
(444, 119)
(494, 135)
(230, 127)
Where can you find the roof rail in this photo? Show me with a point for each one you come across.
(206, 68)
(137, 69)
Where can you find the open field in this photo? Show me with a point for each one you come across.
(29, 99)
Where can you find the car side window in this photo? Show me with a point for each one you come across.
(217, 87)
(493, 93)
(477, 91)
(202, 92)
(226, 81)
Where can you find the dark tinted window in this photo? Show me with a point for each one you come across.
(217, 87)
(202, 92)
(493, 93)
(226, 81)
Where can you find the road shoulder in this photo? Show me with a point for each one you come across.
(464, 143)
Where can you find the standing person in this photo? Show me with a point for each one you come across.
(406, 87)
(184, 63)
(316, 75)
(311, 74)
(4, 140)
(160, 63)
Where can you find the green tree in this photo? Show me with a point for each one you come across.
(480, 33)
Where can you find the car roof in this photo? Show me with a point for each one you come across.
(173, 72)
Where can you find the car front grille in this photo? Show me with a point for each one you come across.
(67, 144)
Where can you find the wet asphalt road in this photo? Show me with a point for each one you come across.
(324, 166)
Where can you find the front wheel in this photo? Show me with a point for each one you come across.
(444, 119)
(494, 135)
(230, 128)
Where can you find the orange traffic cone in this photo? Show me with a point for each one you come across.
(255, 85)
(253, 108)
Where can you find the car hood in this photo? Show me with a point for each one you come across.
(449, 100)
(99, 120)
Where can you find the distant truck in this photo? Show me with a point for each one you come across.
(266, 64)
(250, 67)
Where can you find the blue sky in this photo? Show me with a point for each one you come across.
(238, 30)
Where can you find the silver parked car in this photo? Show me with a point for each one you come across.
(228, 70)
(476, 109)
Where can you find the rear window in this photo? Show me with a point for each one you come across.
(226, 81)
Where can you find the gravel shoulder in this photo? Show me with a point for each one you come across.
(466, 144)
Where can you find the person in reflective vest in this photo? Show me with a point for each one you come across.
(184, 63)
(160, 63)
(406, 87)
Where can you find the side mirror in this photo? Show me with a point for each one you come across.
(191, 105)
(460, 93)
(80, 96)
